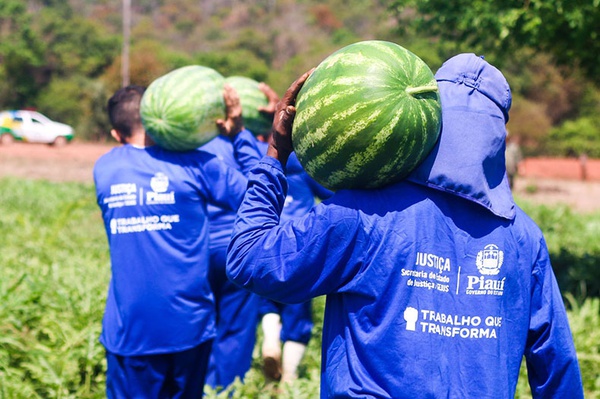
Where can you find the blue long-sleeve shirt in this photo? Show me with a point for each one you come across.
(436, 287)
(300, 199)
(153, 204)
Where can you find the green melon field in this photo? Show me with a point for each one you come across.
(55, 270)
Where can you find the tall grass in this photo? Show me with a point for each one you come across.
(55, 271)
(574, 243)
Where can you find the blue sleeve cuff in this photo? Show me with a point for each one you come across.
(272, 162)
(247, 134)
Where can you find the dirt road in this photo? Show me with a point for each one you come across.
(544, 180)
(72, 162)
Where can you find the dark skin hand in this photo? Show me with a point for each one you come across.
(280, 142)
(234, 122)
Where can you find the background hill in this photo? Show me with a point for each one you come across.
(64, 57)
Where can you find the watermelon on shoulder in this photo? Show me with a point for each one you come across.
(251, 98)
(179, 110)
(367, 116)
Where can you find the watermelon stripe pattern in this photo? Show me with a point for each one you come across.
(179, 109)
(251, 98)
(367, 116)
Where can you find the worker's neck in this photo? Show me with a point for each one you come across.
(140, 139)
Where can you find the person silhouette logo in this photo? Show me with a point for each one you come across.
(410, 316)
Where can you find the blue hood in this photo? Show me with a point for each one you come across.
(468, 159)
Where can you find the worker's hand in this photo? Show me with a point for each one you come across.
(269, 109)
(234, 122)
(280, 142)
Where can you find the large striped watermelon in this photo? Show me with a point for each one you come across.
(251, 98)
(179, 109)
(368, 114)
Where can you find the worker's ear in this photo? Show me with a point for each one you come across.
(115, 135)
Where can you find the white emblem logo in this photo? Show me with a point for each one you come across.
(159, 183)
(159, 195)
(489, 261)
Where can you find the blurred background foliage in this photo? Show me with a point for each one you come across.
(63, 57)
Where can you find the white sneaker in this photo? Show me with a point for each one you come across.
(292, 355)
(271, 346)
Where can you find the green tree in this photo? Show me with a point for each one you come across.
(75, 45)
(21, 55)
(53, 42)
(575, 137)
(81, 102)
(235, 62)
(566, 29)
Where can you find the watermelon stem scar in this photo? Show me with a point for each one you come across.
(421, 89)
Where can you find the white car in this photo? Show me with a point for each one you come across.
(33, 127)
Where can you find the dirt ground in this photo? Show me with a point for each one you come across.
(542, 180)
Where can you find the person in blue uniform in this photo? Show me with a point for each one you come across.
(159, 321)
(438, 285)
(237, 308)
(287, 328)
